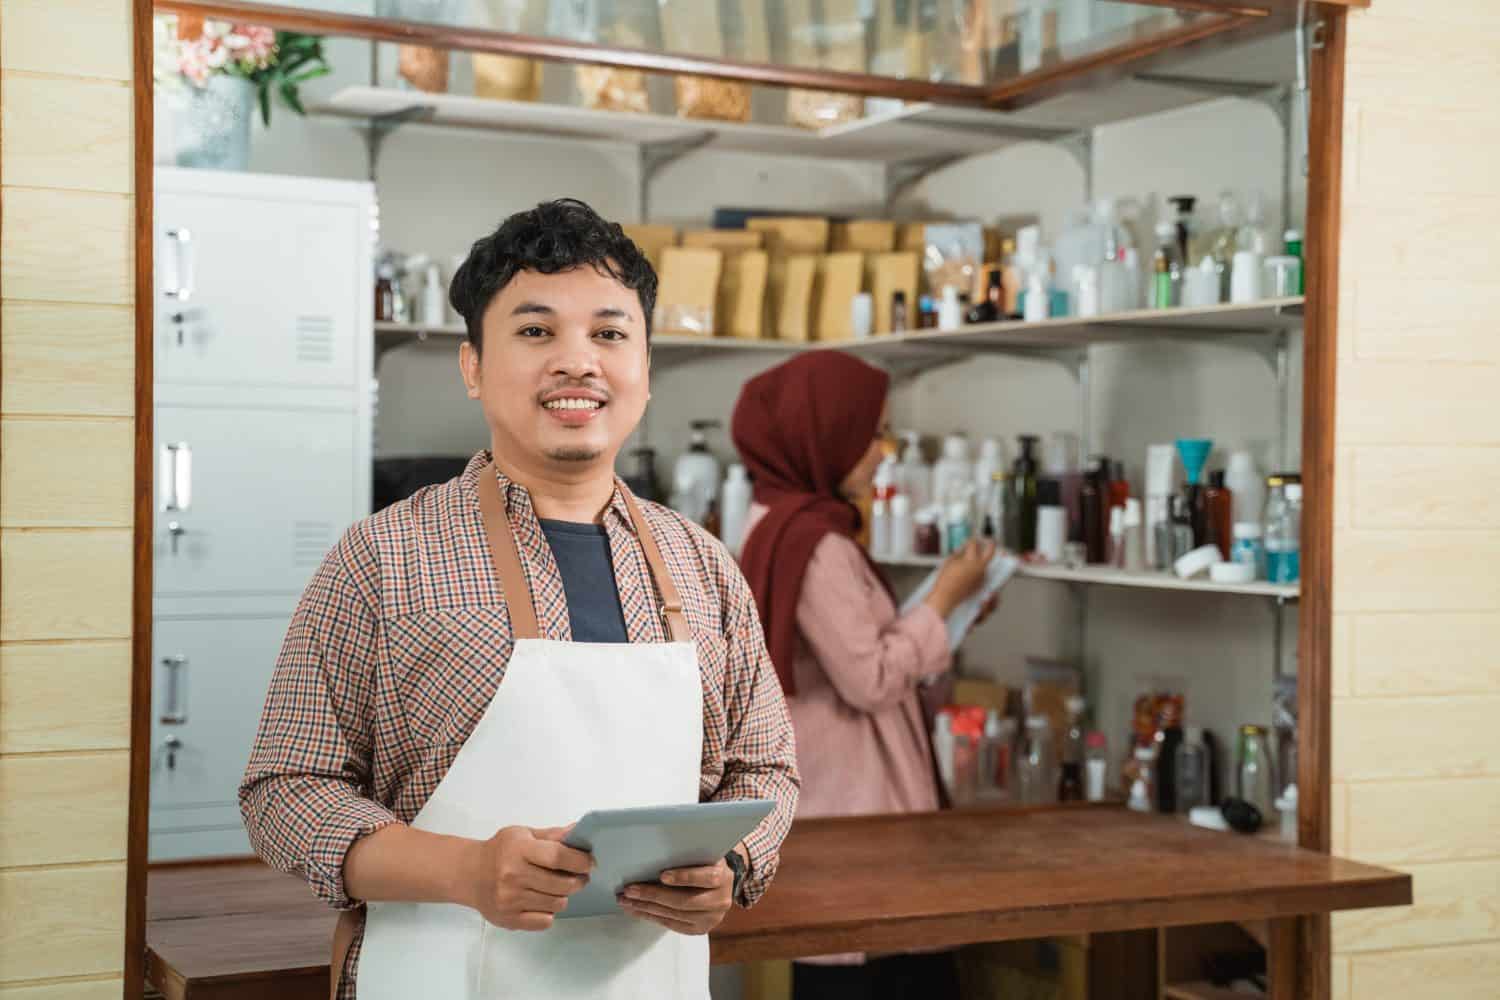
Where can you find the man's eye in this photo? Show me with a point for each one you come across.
(533, 331)
(611, 334)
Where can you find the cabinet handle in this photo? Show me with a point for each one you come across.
(177, 476)
(174, 712)
(181, 272)
(170, 746)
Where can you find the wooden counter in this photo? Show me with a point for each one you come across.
(870, 883)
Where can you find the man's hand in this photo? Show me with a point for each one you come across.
(522, 878)
(689, 900)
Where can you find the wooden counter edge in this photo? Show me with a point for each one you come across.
(952, 930)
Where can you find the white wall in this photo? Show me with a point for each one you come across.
(442, 188)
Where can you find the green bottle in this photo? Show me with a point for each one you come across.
(1293, 240)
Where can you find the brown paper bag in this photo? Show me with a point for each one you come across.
(652, 239)
(894, 272)
(794, 310)
(786, 236)
(727, 241)
(506, 78)
(742, 292)
(688, 290)
(864, 235)
(839, 278)
(425, 69)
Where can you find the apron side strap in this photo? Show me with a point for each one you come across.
(506, 557)
(671, 602)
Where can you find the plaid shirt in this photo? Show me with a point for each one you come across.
(401, 640)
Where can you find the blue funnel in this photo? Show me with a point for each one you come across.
(1194, 453)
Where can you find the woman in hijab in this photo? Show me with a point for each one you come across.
(811, 434)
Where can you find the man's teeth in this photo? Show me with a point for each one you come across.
(572, 404)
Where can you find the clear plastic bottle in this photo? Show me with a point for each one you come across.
(1225, 240)
(1255, 772)
(1253, 235)
(1143, 788)
(1095, 766)
(1070, 775)
(1035, 774)
(1192, 771)
(1166, 269)
(1283, 528)
(995, 753)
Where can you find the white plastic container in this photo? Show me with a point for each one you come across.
(1247, 487)
(950, 310)
(902, 527)
(862, 315)
(734, 508)
(953, 472)
(914, 476)
(880, 529)
(1244, 279)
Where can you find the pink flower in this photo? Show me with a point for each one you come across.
(193, 64)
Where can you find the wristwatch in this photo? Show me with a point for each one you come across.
(737, 865)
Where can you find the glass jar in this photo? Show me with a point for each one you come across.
(1036, 780)
(1254, 772)
(1143, 786)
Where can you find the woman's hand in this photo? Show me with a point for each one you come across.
(961, 576)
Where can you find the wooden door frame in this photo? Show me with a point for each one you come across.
(1310, 952)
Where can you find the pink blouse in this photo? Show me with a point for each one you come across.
(862, 743)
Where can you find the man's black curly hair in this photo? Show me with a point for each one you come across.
(553, 237)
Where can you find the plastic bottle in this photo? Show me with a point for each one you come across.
(1166, 269)
(880, 529)
(734, 507)
(434, 297)
(1292, 247)
(1192, 771)
(1038, 302)
(950, 310)
(1093, 499)
(1218, 513)
(1095, 766)
(1185, 226)
(1035, 773)
(1225, 240)
(915, 479)
(902, 528)
(1070, 775)
(995, 751)
(953, 471)
(1135, 539)
(695, 478)
(998, 518)
(1253, 235)
(957, 524)
(942, 747)
(1168, 739)
(990, 461)
(1283, 529)
(1143, 788)
(1247, 486)
(1248, 548)
(1023, 495)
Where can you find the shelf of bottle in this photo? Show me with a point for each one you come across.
(1108, 576)
(1205, 324)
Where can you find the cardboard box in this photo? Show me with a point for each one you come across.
(840, 276)
(891, 273)
(652, 239)
(688, 290)
(742, 293)
(864, 235)
(726, 241)
(793, 311)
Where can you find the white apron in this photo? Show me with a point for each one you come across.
(572, 727)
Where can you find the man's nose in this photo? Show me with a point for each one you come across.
(577, 359)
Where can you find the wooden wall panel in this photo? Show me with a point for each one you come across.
(42, 487)
(1461, 973)
(63, 808)
(61, 921)
(1388, 403)
(1451, 320)
(1454, 902)
(1425, 820)
(1406, 486)
(66, 246)
(1431, 653)
(1379, 739)
(67, 359)
(107, 988)
(64, 584)
(64, 696)
(87, 38)
(93, 153)
(1410, 571)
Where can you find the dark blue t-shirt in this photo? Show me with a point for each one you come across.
(583, 558)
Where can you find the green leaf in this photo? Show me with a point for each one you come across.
(311, 74)
(289, 94)
(265, 105)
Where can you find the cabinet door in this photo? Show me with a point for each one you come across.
(208, 687)
(263, 496)
(255, 290)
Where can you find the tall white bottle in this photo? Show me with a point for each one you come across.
(915, 479)
(734, 508)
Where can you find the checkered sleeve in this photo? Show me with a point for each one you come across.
(760, 757)
(305, 794)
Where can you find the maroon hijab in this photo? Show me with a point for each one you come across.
(800, 428)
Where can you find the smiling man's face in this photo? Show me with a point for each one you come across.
(564, 373)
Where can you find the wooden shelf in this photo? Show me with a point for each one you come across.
(1109, 577)
(1222, 323)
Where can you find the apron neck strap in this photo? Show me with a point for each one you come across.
(507, 561)
(671, 603)
(506, 558)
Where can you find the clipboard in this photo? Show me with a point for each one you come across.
(636, 845)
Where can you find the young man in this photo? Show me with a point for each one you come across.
(431, 730)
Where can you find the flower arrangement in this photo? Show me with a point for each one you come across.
(269, 60)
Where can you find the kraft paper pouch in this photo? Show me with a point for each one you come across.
(727, 241)
(652, 240)
(894, 272)
(793, 317)
(786, 236)
(688, 290)
(742, 292)
(864, 235)
(839, 279)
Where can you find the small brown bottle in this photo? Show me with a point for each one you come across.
(1218, 513)
(899, 321)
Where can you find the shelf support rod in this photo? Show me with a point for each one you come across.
(1085, 405)
(652, 157)
(1283, 368)
(1080, 146)
(1278, 660)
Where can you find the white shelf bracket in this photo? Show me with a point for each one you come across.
(1080, 146)
(652, 157)
(903, 175)
(379, 128)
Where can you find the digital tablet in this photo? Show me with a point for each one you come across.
(631, 846)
